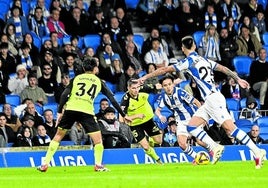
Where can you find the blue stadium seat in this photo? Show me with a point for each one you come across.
(245, 129)
(39, 109)
(232, 104)
(242, 65)
(14, 100)
(118, 96)
(265, 38)
(138, 39)
(4, 7)
(92, 41)
(243, 123)
(263, 3)
(37, 42)
(43, 39)
(53, 107)
(99, 97)
(198, 37)
(51, 99)
(263, 121)
(67, 143)
(132, 4)
(25, 8)
(111, 86)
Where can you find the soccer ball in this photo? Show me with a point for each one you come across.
(202, 158)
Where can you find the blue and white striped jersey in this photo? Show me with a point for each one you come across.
(201, 70)
(180, 102)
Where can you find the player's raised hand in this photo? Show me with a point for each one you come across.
(243, 83)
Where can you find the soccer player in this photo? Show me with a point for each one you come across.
(78, 100)
(139, 111)
(201, 70)
(183, 105)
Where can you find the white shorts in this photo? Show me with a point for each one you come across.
(181, 127)
(215, 108)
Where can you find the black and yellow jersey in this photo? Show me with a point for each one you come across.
(81, 93)
(140, 105)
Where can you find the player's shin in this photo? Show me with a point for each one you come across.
(53, 146)
(98, 153)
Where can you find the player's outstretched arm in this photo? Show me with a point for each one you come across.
(243, 83)
(159, 71)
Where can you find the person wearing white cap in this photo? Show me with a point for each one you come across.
(17, 83)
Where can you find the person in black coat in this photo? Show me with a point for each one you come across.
(7, 135)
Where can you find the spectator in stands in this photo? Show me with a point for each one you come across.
(156, 55)
(25, 139)
(117, 34)
(90, 54)
(209, 45)
(55, 25)
(104, 103)
(151, 85)
(34, 51)
(27, 121)
(65, 80)
(71, 67)
(38, 24)
(105, 57)
(232, 89)
(170, 136)
(31, 110)
(228, 48)
(114, 72)
(31, 62)
(34, 92)
(41, 139)
(231, 9)
(250, 112)
(252, 28)
(232, 28)
(106, 40)
(16, 3)
(130, 72)
(20, 23)
(7, 135)
(211, 16)
(64, 13)
(251, 8)
(11, 47)
(99, 22)
(77, 25)
(124, 21)
(96, 5)
(189, 20)
(20, 109)
(67, 49)
(11, 35)
(254, 134)
(258, 76)
(48, 81)
(8, 61)
(50, 123)
(260, 23)
(56, 47)
(112, 134)
(4, 77)
(83, 8)
(77, 134)
(75, 48)
(147, 12)
(54, 62)
(131, 57)
(12, 120)
(248, 44)
(40, 3)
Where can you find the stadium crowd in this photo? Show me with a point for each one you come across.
(43, 42)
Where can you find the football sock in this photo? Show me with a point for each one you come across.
(245, 139)
(151, 153)
(199, 133)
(98, 152)
(53, 146)
(190, 151)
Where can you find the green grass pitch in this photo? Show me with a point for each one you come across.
(172, 175)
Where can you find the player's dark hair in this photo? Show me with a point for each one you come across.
(167, 76)
(131, 81)
(187, 42)
(89, 64)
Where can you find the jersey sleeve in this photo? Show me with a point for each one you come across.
(186, 96)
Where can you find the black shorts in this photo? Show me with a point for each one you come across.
(88, 121)
(149, 127)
